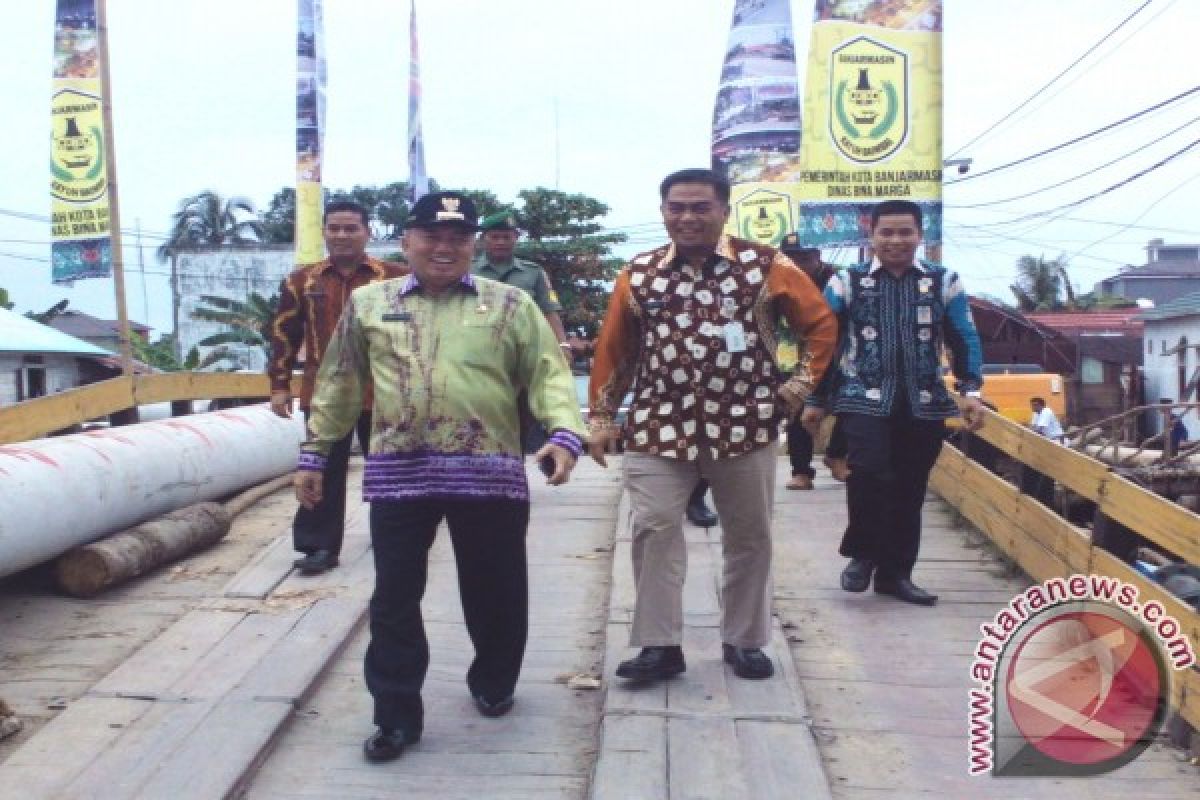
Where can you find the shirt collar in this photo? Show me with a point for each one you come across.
(723, 250)
(877, 265)
(367, 263)
(411, 284)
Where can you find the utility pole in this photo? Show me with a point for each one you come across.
(110, 165)
(142, 269)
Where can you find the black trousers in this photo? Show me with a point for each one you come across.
(489, 550)
(890, 459)
(800, 446)
(324, 526)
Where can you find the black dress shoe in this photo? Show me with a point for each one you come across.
(698, 512)
(653, 664)
(317, 562)
(856, 577)
(494, 708)
(748, 662)
(386, 744)
(904, 589)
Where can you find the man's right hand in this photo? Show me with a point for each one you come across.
(600, 439)
(811, 419)
(309, 486)
(281, 403)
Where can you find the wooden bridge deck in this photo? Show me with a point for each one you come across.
(256, 691)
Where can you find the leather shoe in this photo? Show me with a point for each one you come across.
(904, 589)
(386, 744)
(801, 482)
(653, 664)
(748, 662)
(856, 577)
(316, 562)
(494, 708)
(698, 513)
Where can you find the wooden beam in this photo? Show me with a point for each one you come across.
(42, 415)
(1046, 546)
(1156, 518)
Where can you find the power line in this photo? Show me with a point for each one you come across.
(1078, 139)
(1150, 207)
(1192, 121)
(1049, 83)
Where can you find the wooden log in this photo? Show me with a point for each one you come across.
(89, 569)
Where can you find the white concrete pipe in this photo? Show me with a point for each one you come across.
(62, 492)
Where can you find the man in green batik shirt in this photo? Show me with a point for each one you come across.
(447, 354)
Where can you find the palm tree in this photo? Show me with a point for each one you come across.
(248, 323)
(209, 219)
(1040, 282)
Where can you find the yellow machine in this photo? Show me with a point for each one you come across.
(1010, 392)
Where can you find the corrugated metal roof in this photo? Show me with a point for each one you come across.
(1117, 320)
(77, 323)
(19, 334)
(1183, 306)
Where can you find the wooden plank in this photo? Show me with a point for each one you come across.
(37, 417)
(704, 760)
(231, 742)
(156, 667)
(781, 760)
(170, 386)
(703, 688)
(268, 569)
(225, 665)
(1154, 517)
(289, 670)
(700, 593)
(632, 760)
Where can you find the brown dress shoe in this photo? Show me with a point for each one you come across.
(802, 482)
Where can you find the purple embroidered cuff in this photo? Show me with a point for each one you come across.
(312, 462)
(568, 441)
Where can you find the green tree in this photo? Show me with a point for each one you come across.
(207, 219)
(1040, 284)
(161, 354)
(279, 220)
(248, 322)
(5, 303)
(565, 236)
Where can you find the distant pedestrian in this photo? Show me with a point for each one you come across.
(896, 314)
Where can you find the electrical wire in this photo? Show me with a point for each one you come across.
(1078, 139)
(1049, 83)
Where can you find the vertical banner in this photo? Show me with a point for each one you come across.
(873, 113)
(310, 130)
(418, 179)
(756, 121)
(79, 210)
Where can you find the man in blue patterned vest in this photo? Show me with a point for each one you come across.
(896, 314)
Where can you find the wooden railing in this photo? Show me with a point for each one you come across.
(1045, 545)
(43, 415)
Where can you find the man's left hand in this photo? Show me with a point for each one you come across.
(564, 462)
(973, 413)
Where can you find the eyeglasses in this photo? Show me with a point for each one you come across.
(679, 209)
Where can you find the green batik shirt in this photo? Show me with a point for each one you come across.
(522, 274)
(447, 370)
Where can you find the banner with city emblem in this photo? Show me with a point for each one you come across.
(873, 117)
(310, 130)
(79, 211)
(756, 121)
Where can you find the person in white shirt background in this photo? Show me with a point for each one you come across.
(1044, 421)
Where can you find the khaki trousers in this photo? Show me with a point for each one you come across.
(743, 490)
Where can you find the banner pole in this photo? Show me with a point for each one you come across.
(110, 165)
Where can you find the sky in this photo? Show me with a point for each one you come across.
(599, 98)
